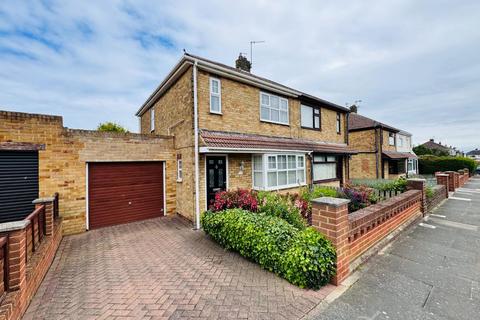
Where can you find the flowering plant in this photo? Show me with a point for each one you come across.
(240, 198)
(360, 197)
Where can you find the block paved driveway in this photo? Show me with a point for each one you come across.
(161, 269)
(430, 272)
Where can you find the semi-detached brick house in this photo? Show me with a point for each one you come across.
(383, 151)
(233, 129)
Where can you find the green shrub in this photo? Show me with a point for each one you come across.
(274, 204)
(303, 257)
(432, 164)
(399, 184)
(310, 260)
(317, 192)
(429, 192)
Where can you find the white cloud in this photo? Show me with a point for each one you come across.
(414, 64)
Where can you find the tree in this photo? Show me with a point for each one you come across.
(111, 127)
(422, 150)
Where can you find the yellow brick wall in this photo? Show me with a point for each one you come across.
(241, 113)
(174, 116)
(62, 165)
(363, 166)
(386, 146)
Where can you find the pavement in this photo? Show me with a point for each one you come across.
(162, 269)
(431, 272)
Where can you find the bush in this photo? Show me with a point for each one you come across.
(241, 198)
(432, 164)
(274, 204)
(317, 192)
(360, 197)
(399, 184)
(429, 192)
(303, 257)
(310, 260)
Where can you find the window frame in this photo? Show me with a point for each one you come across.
(391, 135)
(338, 123)
(325, 155)
(266, 170)
(280, 99)
(152, 119)
(319, 116)
(219, 95)
(179, 170)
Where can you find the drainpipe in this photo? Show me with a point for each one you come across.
(195, 121)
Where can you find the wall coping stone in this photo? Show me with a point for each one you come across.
(43, 200)
(441, 175)
(14, 225)
(416, 179)
(334, 202)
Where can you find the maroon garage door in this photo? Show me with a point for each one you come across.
(121, 192)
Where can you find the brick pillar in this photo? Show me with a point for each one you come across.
(460, 178)
(48, 202)
(330, 217)
(451, 180)
(419, 184)
(17, 247)
(442, 179)
(467, 171)
(456, 176)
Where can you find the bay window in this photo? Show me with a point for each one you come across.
(278, 171)
(324, 167)
(273, 108)
(309, 117)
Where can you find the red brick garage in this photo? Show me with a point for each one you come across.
(121, 192)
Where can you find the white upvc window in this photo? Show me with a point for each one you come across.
(278, 171)
(152, 119)
(324, 167)
(391, 138)
(215, 96)
(179, 170)
(273, 108)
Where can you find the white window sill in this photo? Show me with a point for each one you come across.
(290, 186)
(179, 180)
(218, 113)
(275, 122)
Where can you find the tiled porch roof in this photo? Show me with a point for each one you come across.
(394, 155)
(235, 141)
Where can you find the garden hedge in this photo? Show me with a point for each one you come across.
(432, 164)
(303, 257)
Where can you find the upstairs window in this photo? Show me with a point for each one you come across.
(152, 119)
(400, 141)
(309, 117)
(391, 139)
(215, 96)
(273, 108)
(339, 123)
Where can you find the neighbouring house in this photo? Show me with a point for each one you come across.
(474, 154)
(102, 178)
(233, 129)
(382, 150)
(438, 146)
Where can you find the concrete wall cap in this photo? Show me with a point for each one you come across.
(14, 225)
(43, 200)
(417, 179)
(441, 175)
(334, 202)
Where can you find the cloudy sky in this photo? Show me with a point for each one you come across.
(414, 64)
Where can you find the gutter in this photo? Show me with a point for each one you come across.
(196, 160)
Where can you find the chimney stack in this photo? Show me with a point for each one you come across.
(353, 108)
(243, 64)
(431, 140)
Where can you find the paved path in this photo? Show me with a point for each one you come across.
(161, 269)
(431, 272)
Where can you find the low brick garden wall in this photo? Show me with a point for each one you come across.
(438, 196)
(26, 257)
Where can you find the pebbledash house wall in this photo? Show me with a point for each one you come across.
(62, 165)
(240, 105)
